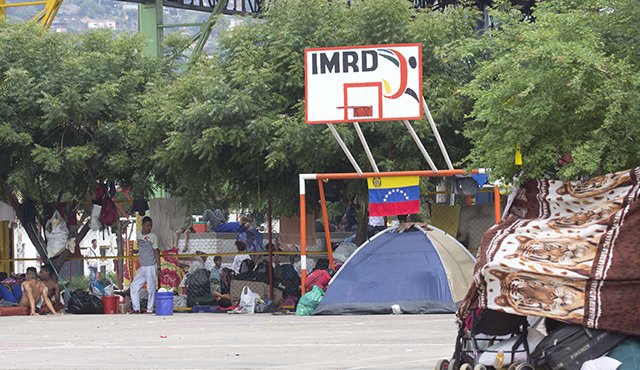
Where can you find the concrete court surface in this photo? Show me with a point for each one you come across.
(222, 341)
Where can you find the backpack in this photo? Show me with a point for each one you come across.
(226, 275)
(569, 346)
(108, 213)
(322, 264)
(262, 271)
(246, 266)
(198, 285)
(82, 302)
(290, 280)
(320, 278)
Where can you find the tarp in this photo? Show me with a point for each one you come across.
(568, 251)
(422, 272)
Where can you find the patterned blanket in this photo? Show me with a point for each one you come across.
(568, 251)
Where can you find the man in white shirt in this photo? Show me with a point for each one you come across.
(149, 266)
(93, 263)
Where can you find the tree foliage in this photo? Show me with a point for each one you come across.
(67, 112)
(234, 124)
(563, 82)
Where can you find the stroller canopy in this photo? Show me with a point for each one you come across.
(421, 271)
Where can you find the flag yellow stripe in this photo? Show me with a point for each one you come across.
(392, 182)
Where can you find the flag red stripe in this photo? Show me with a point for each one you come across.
(394, 208)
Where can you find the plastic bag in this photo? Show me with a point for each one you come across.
(81, 302)
(94, 221)
(57, 234)
(309, 302)
(266, 307)
(248, 300)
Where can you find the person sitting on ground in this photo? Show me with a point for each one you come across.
(35, 294)
(49, 278)
(185, 230)
(216, 270)
(237, 260)
(216, 222)
(10, 289)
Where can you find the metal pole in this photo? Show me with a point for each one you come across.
(303, 236)
(270, 231)
(496, 204)
(420, 146)
(366, 147)
(325, 220)
(344, 148)
(437, 134)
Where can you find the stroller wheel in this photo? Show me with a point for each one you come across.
(454, 364)
(466, 367)
(479, 367)
(442, 365)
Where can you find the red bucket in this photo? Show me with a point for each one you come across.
(110, 304)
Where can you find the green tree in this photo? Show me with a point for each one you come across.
(566, 82)
(67, 105)
(234, 127)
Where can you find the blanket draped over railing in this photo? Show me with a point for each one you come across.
(568, 251)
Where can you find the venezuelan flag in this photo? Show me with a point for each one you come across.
(390, 196)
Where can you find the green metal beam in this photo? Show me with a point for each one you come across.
(149, 20)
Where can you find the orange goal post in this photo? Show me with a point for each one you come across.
(319, 177)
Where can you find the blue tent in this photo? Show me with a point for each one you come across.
(421, 271)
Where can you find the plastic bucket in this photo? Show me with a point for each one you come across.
(110, 304)
(164, 303)
(200, 227)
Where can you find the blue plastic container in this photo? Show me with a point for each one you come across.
(164, 303)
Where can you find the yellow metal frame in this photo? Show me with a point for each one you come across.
(45, 17)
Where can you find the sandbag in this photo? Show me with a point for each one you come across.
(248, 300)
(81, 302)
(57, 234)
(309, 302)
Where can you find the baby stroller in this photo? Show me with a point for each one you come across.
(481, 330)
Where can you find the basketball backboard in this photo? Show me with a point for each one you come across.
(363, 83)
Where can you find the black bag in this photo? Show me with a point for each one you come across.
(198, 285)
(246, 266)
(226, 275)
(569, 346)
(262, 271)
(247, 270)
(82, 302)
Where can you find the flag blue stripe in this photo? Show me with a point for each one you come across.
(401, 194)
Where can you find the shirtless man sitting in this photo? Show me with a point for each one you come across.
(35, 291)
(53, 288)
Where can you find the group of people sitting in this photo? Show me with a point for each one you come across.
(216, 222)
(39, 293)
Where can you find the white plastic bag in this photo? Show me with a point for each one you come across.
(94, 221)
(248, 300)
(57, 233)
